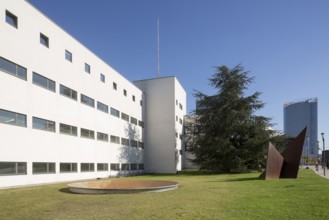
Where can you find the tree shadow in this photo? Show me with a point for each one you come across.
(239, 179)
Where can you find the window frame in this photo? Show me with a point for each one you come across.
(103, 166)
(73, 167)
(17, 168)
(68, 56)
(47, 124)
(72, 91)
(102, 77)
(48, 168)
(17, 69)
(90, 167)
(15, 118)
(13, 18)
(87, 68)
(114, 139)
(48, 81)
(44, 40)
(114, 112)
(71, 132)
(100, 107)
(103, 134)
(87, 100)
(91, 133)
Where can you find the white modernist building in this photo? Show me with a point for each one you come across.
(165, 107)
(67, 115)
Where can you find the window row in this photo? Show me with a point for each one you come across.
(127, 118)
(14, 118)
(20, 168)
(12, 20)
(126, 142)
(44, 82)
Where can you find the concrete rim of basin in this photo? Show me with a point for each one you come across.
(122, 186)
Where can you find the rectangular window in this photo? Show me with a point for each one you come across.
(102, 78)
(102, 167)
(133, 97)
(70, 93)
(44, 82)
(133, 120)
(11, 19)
(87, 100)
(12, 68)
(141, 123)
(125, 166)
(180, 121)
(68, 167)
(176, 102)
(176, 118)
(125, 92)
(12, 118)
(87, 167)
(102, 107)
(68, 129)
(87, 133)
(133, 143)
(43, 124)
(180, 106)
(115, 139)
(44, 40)
(141, 103)
(140, 144)
(114, 86)
(102, 136)
(125, 141)
(68, 55)
(43, 168)
(133, 166)
(115, 166)
(12, 168)
(124, 116)
(115, 112)
(87, 68)
(141, 166)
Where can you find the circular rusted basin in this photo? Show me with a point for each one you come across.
(122, 186)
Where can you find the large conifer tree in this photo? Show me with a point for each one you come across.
(226, 135)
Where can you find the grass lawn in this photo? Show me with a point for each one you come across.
(240, 196)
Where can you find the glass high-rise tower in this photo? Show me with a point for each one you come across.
(298, 115)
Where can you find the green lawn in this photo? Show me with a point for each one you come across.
(240, 196)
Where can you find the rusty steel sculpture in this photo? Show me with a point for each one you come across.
(284, 165)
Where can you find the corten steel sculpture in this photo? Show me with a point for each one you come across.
(284, 165)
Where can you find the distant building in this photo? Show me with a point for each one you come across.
(298, 115)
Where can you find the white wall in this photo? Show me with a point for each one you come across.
(29, 145)
(161, 125)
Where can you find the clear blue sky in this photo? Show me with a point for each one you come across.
(284, 44)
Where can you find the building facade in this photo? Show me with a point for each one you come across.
(64, 113)
(165, 107)
(298, 115)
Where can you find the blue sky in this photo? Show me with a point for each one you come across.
(284, 44)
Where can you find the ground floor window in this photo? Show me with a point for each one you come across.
(141, 166)
(125, 166)
(102, 167)
(87, 167)
(12, 168)
(133, 166)
(68, 167)
(115, 166)
(39, 168)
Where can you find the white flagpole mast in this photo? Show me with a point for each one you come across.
(158, 33)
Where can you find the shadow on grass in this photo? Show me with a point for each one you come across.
(66, 190)
(239, 179)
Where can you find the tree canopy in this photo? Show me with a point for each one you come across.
(225, 134)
